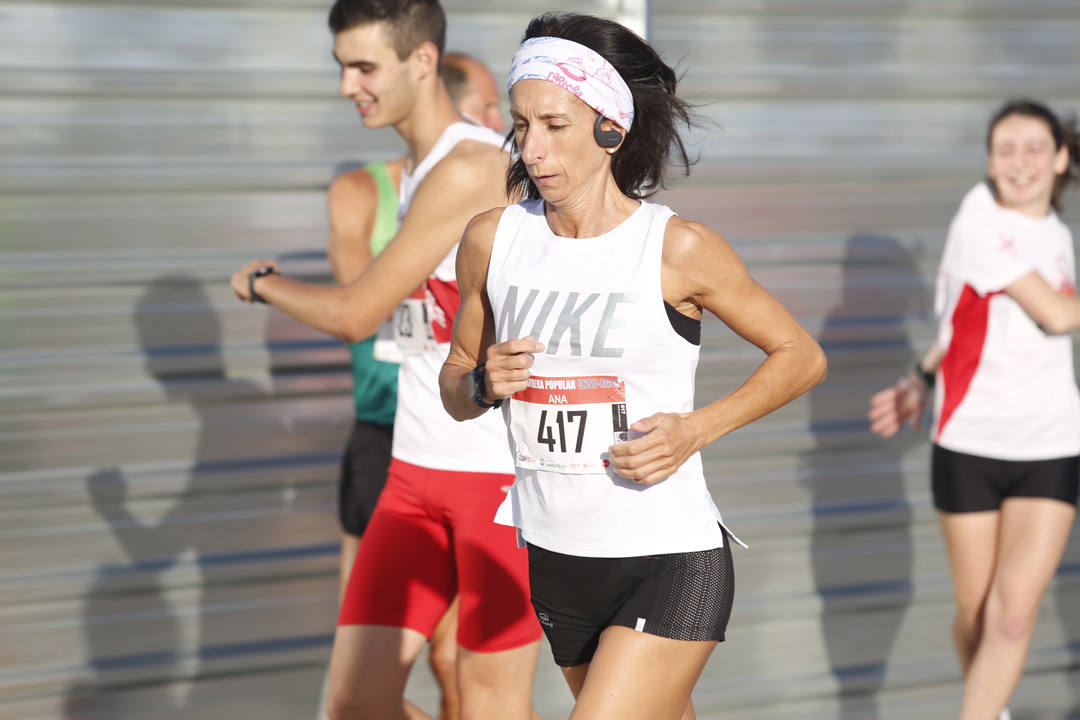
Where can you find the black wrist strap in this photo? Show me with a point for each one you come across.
(260, 272)
(479, 374)
(926, 378)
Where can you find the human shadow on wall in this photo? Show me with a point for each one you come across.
(861, 539)
(144, 640)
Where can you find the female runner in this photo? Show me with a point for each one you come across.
(581, 312)
(1006, 428)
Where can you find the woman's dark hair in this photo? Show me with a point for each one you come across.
(1064, 132)
(639, 164)
(411, 22)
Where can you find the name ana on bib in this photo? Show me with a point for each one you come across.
(567, 424)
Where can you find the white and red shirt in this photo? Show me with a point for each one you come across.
(1005, 389)
(424, 434)
(611, 357)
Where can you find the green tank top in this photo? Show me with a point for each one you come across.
(375, 381)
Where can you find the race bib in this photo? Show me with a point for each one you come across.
(386, 346)
(567, 424)
(412, 325)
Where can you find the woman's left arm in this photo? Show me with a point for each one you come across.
(702, 271)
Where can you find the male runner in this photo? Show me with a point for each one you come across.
(473, 89)
(362, 206)
(431, 535)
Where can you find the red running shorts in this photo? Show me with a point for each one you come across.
(431, 537)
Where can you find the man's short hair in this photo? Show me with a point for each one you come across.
(454, 74)
(410, 22)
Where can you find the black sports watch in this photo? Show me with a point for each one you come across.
(925, 378)
(476, 380)
(260, 272)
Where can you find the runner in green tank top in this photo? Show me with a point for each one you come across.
(375, 379)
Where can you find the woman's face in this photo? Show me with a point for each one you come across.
(1023, 163)
(554, 131)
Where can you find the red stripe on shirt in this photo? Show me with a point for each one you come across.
(445, 301)
(969, 323)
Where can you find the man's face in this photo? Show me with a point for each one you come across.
(383, 87)
(482, 101)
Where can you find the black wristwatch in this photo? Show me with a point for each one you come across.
(477, 381)
(261, 272)
(925, 378)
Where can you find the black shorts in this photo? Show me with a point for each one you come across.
(363, 474)
(972, 483)
(683, 596)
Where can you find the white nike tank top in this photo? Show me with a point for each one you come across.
(424, 434)
(611, 357)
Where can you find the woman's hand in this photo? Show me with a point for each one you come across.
(506, 368)
(669, 439)
(892, 407)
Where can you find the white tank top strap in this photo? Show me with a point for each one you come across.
(505, 232)
(423, 433)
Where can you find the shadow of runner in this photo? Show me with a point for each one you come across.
(135, 637)
(861, 539)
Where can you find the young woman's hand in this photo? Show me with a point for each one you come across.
(904, 402)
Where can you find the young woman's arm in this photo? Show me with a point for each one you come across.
(904, 402)
(701, 270)
(1053, 311)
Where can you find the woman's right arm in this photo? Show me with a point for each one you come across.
(1055, 312)
(904, 402)
(507, 363)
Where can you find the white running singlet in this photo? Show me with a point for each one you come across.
(1005, 389)
(611, 357)
(424, 434)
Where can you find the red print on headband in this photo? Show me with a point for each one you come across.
(572, 72)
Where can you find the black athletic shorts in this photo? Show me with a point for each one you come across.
(363, 474)
(683, 596)
(971, 483)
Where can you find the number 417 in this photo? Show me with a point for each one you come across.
(546, 436)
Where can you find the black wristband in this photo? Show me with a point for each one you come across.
(926, 378)
(477, 383)
(260, 272)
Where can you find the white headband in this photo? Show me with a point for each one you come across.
(578, 69)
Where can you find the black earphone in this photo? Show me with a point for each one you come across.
(605, 138)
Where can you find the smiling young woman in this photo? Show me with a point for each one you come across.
(580, 314)
(1006, 430)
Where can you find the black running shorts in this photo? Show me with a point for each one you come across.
(683, 596)
(363, 474)
(971, 483)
